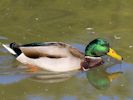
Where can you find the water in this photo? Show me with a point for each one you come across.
(72, 21)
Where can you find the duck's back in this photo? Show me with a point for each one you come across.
(47, 49)
(50, 49)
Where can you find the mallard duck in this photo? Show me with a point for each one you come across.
(61, 57)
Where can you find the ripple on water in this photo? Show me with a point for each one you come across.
(3, 38)
(6, 61)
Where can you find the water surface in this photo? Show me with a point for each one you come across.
(73, 22)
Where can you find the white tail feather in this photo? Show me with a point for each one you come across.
(9, 49)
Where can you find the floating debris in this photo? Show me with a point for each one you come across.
(122, 85)
(89, 28)
(93, 32)
(130, 46)
(127, 57)
(36, 19)
(117, 37)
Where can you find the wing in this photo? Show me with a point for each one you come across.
(76, 53)
(48, 49)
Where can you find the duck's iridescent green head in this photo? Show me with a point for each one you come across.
(99, 47)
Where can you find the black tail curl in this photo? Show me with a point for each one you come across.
(15, 47)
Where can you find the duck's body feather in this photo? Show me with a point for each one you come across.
(52, 56)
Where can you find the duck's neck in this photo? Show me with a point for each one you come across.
(91, 62)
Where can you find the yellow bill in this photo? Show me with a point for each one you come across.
(113, 54)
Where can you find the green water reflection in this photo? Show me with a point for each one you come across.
(69, 21)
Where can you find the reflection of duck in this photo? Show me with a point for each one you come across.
(101, 79)
(61, 57)
(52, 77)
